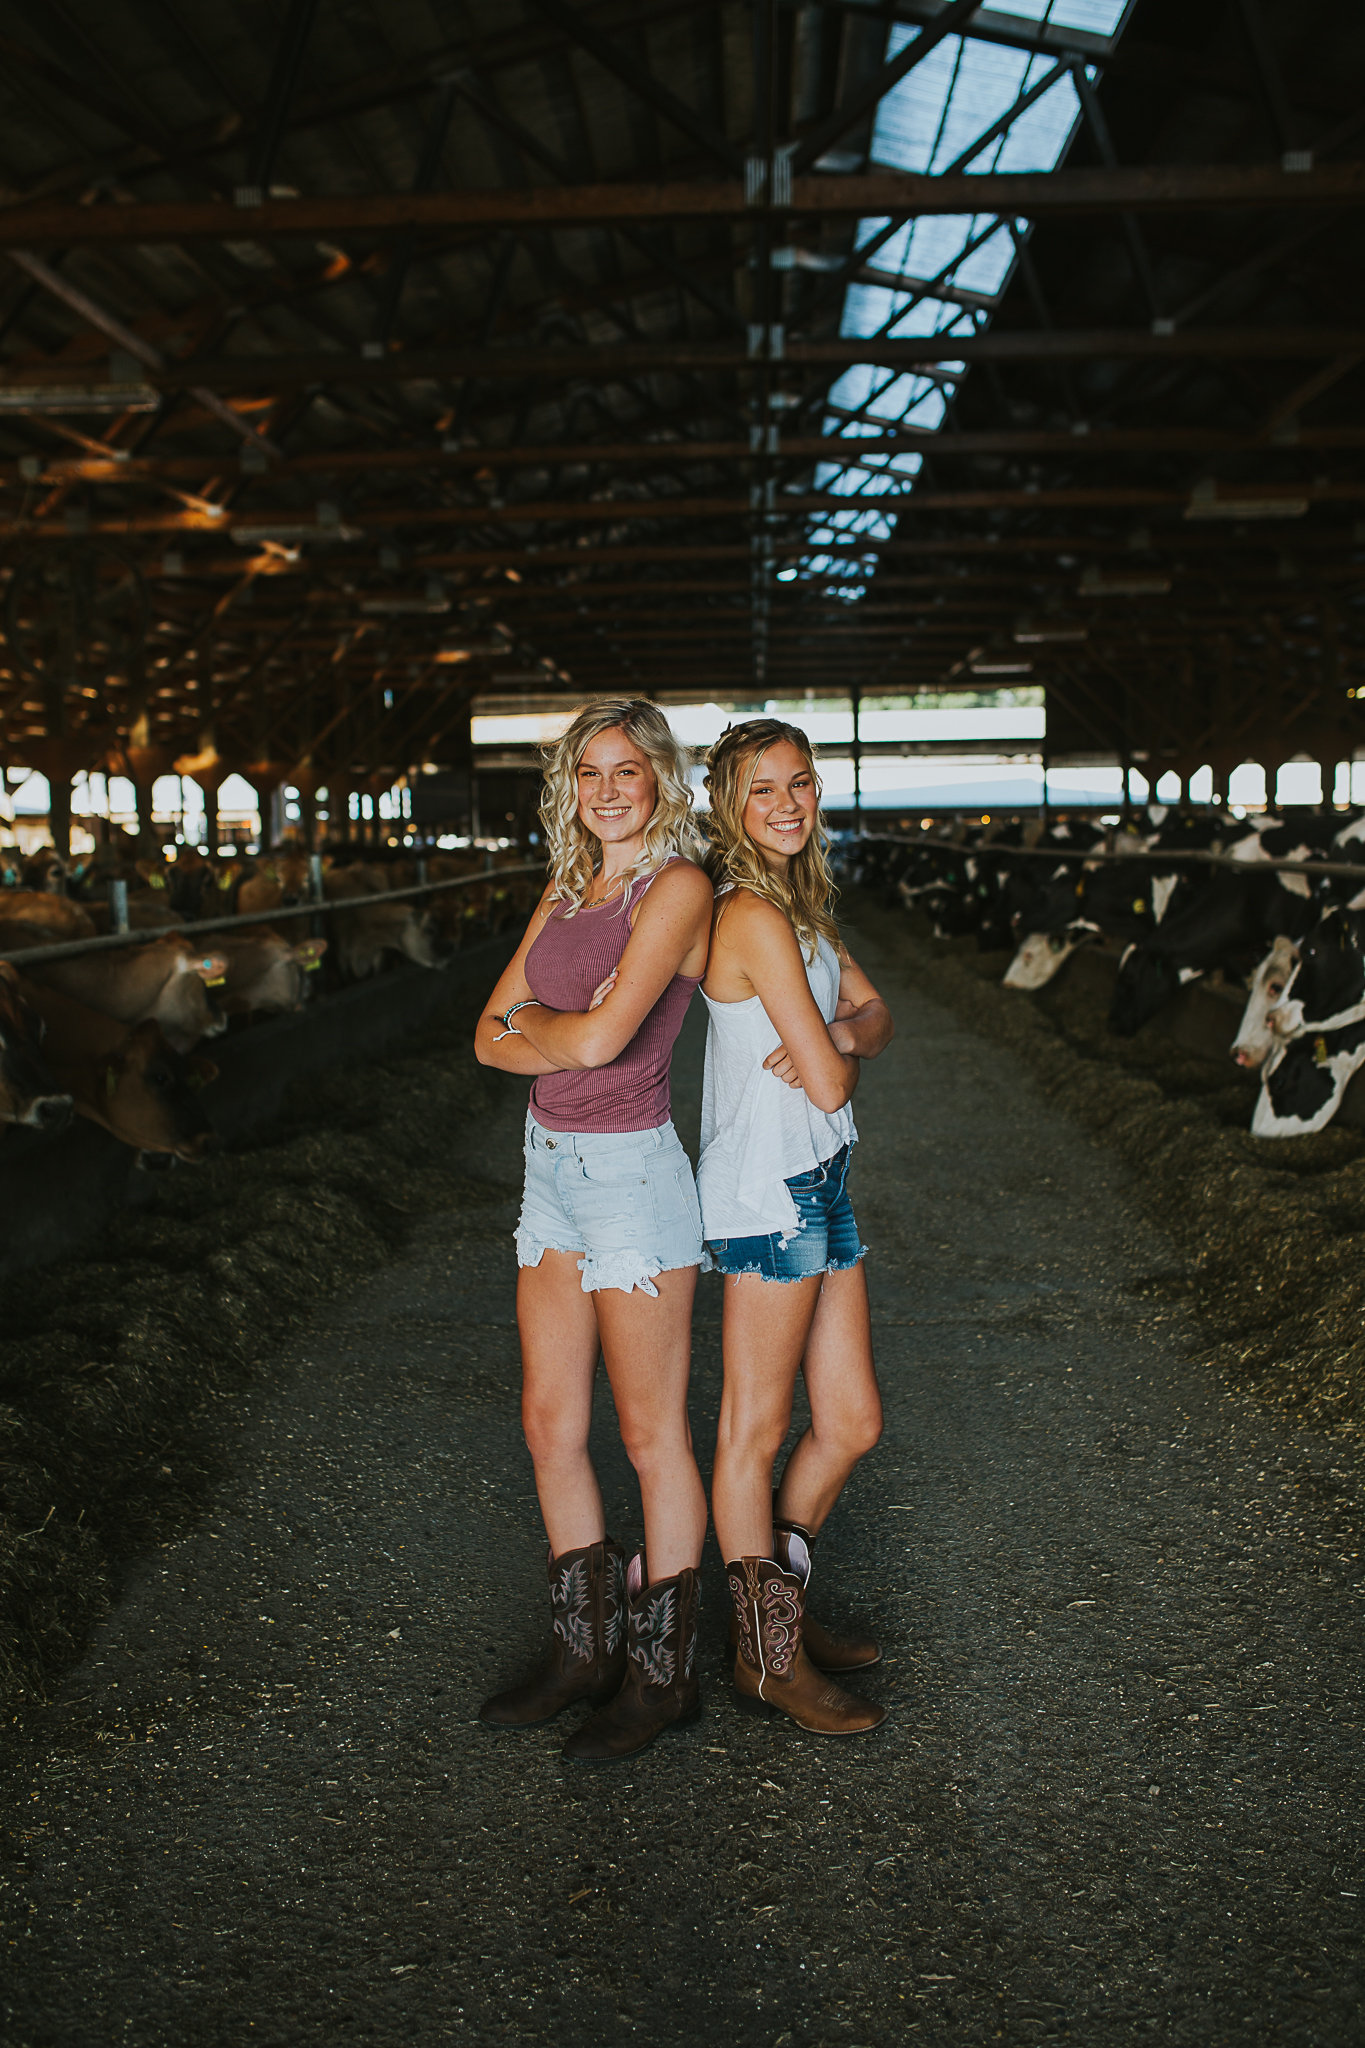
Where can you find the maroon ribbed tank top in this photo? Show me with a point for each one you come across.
(568, 959)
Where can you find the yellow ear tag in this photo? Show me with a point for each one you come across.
(224, 881)
(1320, 1053)
(312, 965)
(214, 980)
(156, 881)
(1139, 905)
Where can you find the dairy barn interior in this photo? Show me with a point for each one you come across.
(981, 389)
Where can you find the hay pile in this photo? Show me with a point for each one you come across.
(114, 1366)
(1273, 1229)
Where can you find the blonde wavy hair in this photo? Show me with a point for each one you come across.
(805, 893)
(575, 853)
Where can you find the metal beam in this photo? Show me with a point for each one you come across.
(626, 511)
(1017, 443)
(1157, 188)
(1303, 394)
(247, 373)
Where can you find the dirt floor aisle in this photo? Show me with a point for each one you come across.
(1117, 1796)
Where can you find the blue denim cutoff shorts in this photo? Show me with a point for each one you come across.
(626, 1202)
(827, 1241)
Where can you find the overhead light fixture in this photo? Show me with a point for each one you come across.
(1096, 582)
(404, 607)
(1030, 632)
(1001, 668)
(54, 398)
(1205, 503)
(792, 258)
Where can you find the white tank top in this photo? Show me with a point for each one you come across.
(756, 1132)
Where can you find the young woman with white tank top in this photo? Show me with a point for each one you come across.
(609, 1239)
(790, 1018)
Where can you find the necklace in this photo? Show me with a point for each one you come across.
(596, 902)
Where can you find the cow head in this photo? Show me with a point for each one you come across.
(1266, 1018)
(267, 973)
(45, 872)
(150, 1096)
(186, 1009)
(28, 1093)
(421, 942)
(1042, 953)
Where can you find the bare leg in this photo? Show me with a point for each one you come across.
(845, 1404)
(764, 1328)
(559, 1345)
(647, 1347)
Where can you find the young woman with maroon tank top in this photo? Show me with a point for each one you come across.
(609, 1240)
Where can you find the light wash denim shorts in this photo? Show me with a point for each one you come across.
(626, 1202)
(827, 1241)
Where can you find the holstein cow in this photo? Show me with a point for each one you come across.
(1320, 1025)
(1226, 926)
(266, 972)
(940, 883)
(167, 981)
(28, 1092)
(130, 1082)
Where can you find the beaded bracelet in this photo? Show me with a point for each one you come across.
(510, 1030)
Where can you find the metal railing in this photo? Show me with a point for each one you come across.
(1156, 856)
(315, 906)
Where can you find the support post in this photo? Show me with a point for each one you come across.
(59, 810)
(857, 751)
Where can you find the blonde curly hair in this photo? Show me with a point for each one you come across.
(575, 853)
(805, 893)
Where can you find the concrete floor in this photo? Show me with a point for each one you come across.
(1116, 1797)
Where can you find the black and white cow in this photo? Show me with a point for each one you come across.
(1319, 1027)
(1226, 925)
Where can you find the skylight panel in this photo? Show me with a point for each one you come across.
(1095, 17)
(933, 121)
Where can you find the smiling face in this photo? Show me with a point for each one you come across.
(779, 814)
(617, 790)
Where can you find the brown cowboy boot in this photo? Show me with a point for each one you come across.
(587, 1640)
(660, 1686)
(771, 1668)
(826, 1651)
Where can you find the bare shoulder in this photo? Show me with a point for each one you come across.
(682, 881)
(750, 921)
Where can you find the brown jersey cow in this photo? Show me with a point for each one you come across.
(28, 1092)
(129, 1081)
(265, 972)
(167, 981)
